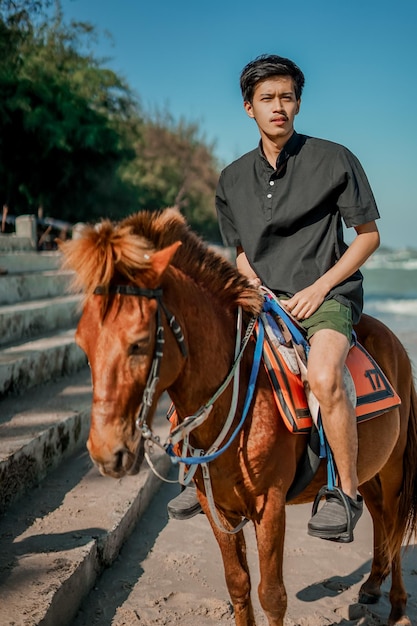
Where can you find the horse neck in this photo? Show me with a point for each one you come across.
(210, 333)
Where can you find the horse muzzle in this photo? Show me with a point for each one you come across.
(119, 462)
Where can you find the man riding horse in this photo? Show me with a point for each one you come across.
(281, 206)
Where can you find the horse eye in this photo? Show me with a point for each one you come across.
(140, 348)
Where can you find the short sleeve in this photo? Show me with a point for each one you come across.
(227, 226)
(356, 202)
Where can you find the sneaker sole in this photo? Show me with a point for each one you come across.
(330, 536)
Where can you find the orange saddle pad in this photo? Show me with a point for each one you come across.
(374, 393)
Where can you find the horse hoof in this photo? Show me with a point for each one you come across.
(404, 621)
(368, 598)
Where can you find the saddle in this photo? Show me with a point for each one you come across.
(285, 360)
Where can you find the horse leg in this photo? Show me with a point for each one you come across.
(391, 479)
(233, 551)
(370, 591)
(381, 497)
(398, 595)
(270, 533)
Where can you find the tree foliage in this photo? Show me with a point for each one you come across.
(61, 116)
(175, 167)
(74, 138)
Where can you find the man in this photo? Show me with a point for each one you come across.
(281, 205)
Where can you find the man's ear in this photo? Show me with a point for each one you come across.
(248, 108)
(298, 106)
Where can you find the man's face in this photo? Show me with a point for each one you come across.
(274, 107)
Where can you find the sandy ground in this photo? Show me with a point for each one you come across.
(170, 573)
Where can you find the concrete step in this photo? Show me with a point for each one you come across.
(26, 365)
(31, 319)
(27, 286)
(39, 429)
(58, 539)
(18, 262)
(12, 243)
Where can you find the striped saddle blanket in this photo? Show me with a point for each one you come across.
(285, 362)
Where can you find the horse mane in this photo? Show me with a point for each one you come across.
(110, 251)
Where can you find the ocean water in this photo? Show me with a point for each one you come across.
(391, 296)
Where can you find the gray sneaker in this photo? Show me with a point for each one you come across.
(185, 505)
(337, 518)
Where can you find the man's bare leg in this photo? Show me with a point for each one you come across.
(326, 361)
(327, 357)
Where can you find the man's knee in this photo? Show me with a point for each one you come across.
(327, 385)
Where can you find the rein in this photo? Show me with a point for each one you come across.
(214, 451)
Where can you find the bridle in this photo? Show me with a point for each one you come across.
(153, 376)
(197, 457)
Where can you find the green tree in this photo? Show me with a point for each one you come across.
(176, 167)
(62, 120)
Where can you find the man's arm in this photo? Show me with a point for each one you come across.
(305, 302)
(244, 267)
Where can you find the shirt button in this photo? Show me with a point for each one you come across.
(269, 195)
(271, 182)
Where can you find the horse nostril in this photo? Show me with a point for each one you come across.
(122, 460)
(118, 460)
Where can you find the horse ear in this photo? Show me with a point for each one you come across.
(162, 258)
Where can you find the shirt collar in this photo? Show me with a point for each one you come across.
(289, 149)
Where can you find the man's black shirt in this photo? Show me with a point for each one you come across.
(288, 220)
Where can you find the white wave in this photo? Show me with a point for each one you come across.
(390, 264)
(398, 307)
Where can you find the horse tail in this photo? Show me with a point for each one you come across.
(407, 514)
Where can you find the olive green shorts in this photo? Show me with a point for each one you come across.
(331, 315)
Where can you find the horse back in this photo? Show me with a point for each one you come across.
(385, 347)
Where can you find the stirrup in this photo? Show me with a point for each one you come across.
(347, 536)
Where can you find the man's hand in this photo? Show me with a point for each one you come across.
(304, 303)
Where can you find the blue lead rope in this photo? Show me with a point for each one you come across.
(191, 460)
(325, 452)
(296, 334)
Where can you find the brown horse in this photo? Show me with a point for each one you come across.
(150, 267)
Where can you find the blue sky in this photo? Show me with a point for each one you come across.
(359, 59)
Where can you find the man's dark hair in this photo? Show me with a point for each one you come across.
(266, 66)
